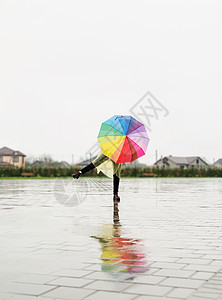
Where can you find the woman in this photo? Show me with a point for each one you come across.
(109, 168)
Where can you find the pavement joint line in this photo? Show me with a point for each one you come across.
(144, 284)
(136, 297)
(48, 291)
(93, 292)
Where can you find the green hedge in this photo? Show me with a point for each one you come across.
(37, 171)
(126, 172)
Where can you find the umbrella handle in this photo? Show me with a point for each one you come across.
(118, 117)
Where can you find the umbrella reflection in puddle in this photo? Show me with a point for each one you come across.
(121, 257)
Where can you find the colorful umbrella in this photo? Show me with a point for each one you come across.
(123, 139)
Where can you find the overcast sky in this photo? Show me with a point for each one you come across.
(66, 66)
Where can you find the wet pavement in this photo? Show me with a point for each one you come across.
(66, 240)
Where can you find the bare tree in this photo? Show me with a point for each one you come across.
(47, 159)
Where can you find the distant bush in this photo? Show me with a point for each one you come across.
(190, 172)
(126, 172)
(37, 171)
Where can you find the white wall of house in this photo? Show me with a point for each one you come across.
(171, 164)
(217, 165)
(198, 163)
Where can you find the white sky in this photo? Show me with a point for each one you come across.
(66, 66)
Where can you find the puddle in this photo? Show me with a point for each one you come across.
(122, 257)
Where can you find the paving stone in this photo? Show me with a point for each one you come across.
(214, 283)
(210, 291)
(94, 267)
(68, 293)
(150, 271)
(107, 285)
(155, 298)
(4, 296)
(37, 279)
(179, 282)
(26, 289)
(71, 273)
(148, 279)
(200, 248)
(194, 261)
(195, 298)
(109, 296)
(93, 261)
(206, 295)
(213, 256)
(204, 268)
(202, 275)
(69, 282)
(24, 297)
(174, 273)
(148, 290)
(107, 276)
(66, 261)
(181, 293)
(188, 256)
(164, 265)
(163, 259)
(219, 279)
(216, 263)
(8, 275)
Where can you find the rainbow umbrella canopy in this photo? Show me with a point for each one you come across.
(123, 139)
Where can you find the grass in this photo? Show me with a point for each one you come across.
(101, 177)
(6, 178)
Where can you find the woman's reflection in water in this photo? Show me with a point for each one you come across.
(121, 257)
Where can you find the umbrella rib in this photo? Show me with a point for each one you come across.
(111, 130)
(122, 133)
(136, 127)
(115, 144)
(136, 144)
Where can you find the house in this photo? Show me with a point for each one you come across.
(218, 163)
(60, 164)
(38, 163)
(181, 162)
(10, 158)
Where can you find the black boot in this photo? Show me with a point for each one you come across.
(116, 198)
(77, 175)
(83, 171)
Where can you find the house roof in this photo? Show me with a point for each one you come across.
(5, 151)
(183, 160)
(180, 160)
(218, 162)
(38, 163)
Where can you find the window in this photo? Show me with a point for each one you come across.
(15, 159)
(1, 159)
(182, 167)
(197, 161)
